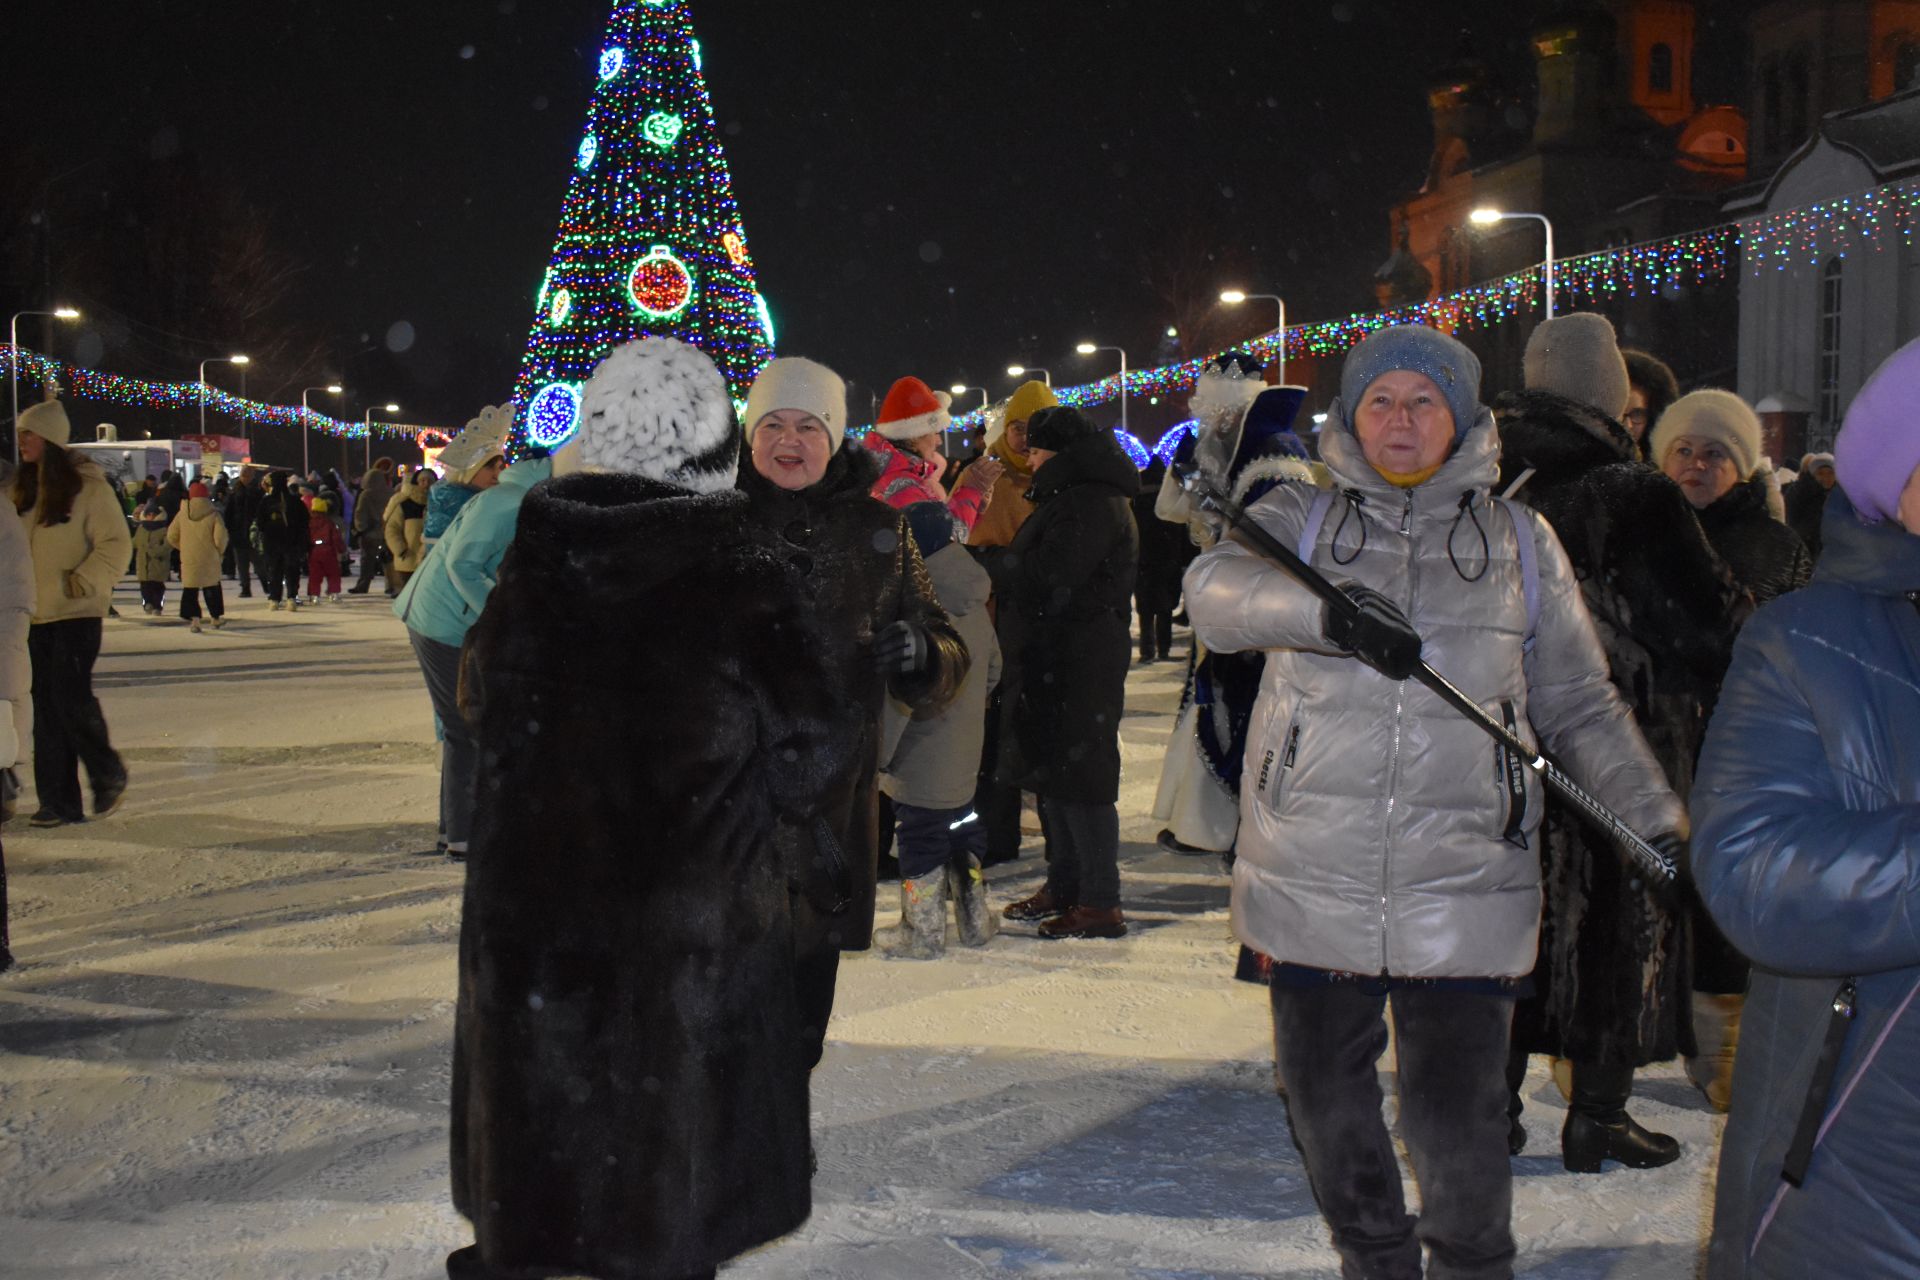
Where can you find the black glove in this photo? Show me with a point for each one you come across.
(1379, 634)
(900, 648)
(1671, 894)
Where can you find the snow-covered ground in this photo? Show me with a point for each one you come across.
(225, 1052)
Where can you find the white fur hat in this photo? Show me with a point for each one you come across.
(483, 438)
(657, 408)
(1710, 414)
(792, 382)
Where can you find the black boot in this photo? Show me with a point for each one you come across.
(1516, 1080)
(1598, 1127)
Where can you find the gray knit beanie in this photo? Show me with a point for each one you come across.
(1577, 356)
(1415, 347)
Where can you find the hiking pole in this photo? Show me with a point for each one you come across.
(1651, 861)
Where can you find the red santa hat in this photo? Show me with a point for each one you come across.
(913, 409)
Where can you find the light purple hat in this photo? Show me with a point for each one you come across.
(1879, 444)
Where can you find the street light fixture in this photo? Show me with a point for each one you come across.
(332, 389)
(13, 364)
(203, 382)
(1234, 297)
(1485, 217)
(368, 420)
(961, 388)
(1022, 370)
(1087, 349)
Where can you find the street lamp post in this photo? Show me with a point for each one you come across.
(961, 388)
(13, 364)
(241, 360)
(1487, 217)
(1087, 349)
(1022, 370)
(368, 420)
(1234, 297)
(306, 464)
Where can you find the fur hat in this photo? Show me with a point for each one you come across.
(657, 408)
(913, 409)
(1577, 356)
(1654, 378)
(1056, 429)
(1879, 446)
(48, 420)
(1020, 407)
(482, 440)
(792, 382)
(1710, 414)
(1814, 461)
(1418, 349)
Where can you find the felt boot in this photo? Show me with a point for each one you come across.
(971, 910)
(922, 931)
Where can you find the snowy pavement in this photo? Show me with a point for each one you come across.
(225, 1051)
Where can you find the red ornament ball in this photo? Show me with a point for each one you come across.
(660, 284)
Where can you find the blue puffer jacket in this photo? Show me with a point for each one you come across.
(1807, 851)
(446, 594)
(445, 501)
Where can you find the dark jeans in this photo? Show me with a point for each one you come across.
(1156, 632)
(280, 575)
(931, 838)
(242, 560)
(153, 594)
(372, 545)
(69, 728)
(813, 979)
(190, 601)
(997, 805)
(1083, 852)
(1452, 1050)
(459, 751)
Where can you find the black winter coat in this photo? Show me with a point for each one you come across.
(243, 505)
(1165, 548)
(1768, 559)
(1064, 625)
(282, 521)
(653, 707)
(1612, 982)
(860, 570)
(1806, 503)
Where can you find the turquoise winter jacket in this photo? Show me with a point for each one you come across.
(1806, 817)
(446, 594)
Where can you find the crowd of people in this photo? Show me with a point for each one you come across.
(1608, 567)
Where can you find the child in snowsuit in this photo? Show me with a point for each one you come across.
(199, 534)
(326, 544)
(930, 765)
(152, 557)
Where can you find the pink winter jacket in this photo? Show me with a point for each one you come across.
(906, 478)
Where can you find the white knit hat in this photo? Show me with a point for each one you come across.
(482, 439)
(792, 382)
(1719, 416)
(48, 420)
(659, 409)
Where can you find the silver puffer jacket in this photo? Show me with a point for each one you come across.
(1374, 820)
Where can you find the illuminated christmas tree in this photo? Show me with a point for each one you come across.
(650, 240)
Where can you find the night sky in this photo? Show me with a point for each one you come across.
(929, 189)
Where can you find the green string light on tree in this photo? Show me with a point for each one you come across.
(650, 241)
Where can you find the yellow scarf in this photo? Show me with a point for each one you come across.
(1020, 466)
(1411, 479)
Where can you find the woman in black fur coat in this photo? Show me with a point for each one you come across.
(886, 634)
(1612, 991)
(653, 711)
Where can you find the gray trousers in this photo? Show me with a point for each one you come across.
(459, 751)
(1083, 852)
(1451, 1047)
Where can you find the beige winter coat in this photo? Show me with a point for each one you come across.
(1372, 816)
(407, 534)
(77, 561)
(200, 536)
(16, 613)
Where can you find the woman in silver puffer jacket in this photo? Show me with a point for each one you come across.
(1384, 842)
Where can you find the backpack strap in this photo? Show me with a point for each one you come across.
(1529, 566)
(1316, 517)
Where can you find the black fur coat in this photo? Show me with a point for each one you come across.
(1065, 625)
(1612, 982)
(860, 570)
(630, 1083)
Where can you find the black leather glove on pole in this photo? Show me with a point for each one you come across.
(900, 648)
(1670, 894)
(1377, 633)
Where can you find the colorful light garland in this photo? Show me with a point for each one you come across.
(1807, 235)
(650, 241)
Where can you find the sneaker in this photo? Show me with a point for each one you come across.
(194, 626)
(48, 818)
(107, 796)
(219, 623)
(277, 606)
(313, 599)
(333, 599)
(356, 591)
(1169, 844)
(294, 603)
(1087, 922)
